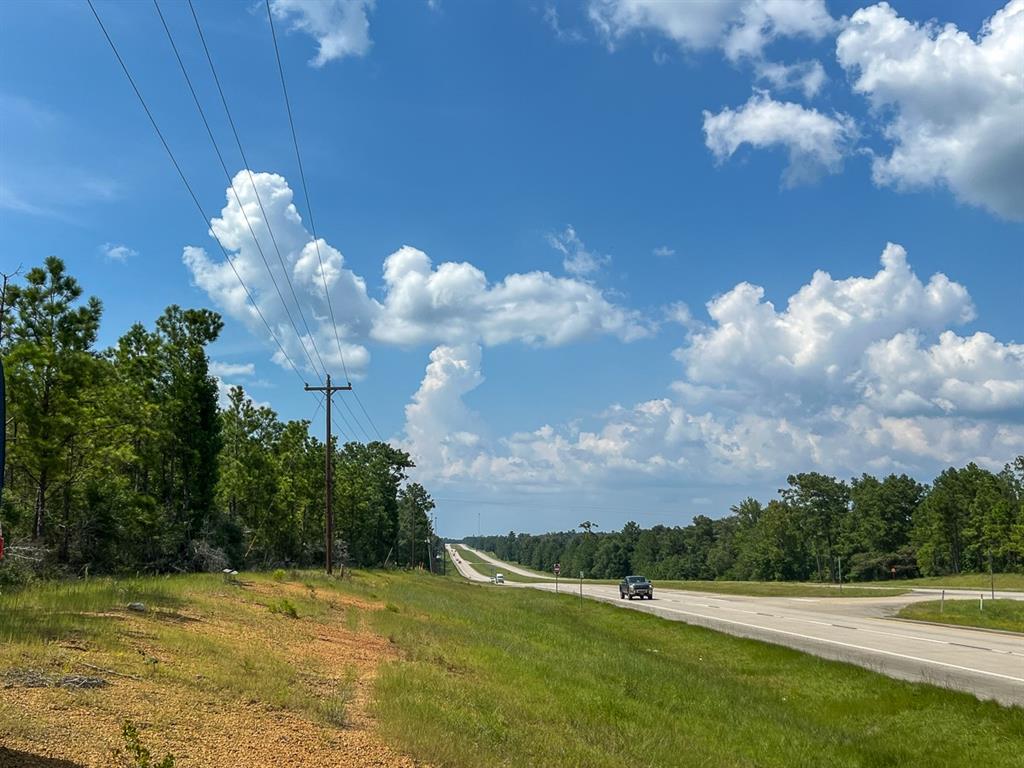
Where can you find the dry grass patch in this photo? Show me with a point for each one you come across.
(209, 673)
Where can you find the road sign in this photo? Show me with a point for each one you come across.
(558, 569)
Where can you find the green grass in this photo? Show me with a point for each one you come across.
(997, 614)
(1003, 581)
(524, 678)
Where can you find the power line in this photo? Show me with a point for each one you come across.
(377, 431)
(312, 226)
(188, 186)
(231, 184)
(305, 190)
(259, 199)
(351, 431)
(356, 418)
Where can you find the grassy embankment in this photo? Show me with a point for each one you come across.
(470, 676)
(214, 671)
(996, 614)
(754, 588)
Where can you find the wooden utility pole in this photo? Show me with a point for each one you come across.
(328, 390)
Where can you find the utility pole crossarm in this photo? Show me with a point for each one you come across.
(328, 388)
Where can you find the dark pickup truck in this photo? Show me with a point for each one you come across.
(636, 586)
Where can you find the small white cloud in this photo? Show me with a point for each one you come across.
(663, 251)
(815, 142)
(805, 76)
(553, 21)
(679, 312)
(340, 27)
(741, 28)
(117, 252)
(577, 259)
(222, 369)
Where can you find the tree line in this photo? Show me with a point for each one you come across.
(122, 460)
(968, 519)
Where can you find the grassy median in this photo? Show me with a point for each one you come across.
(991, 614)
(1013, 582)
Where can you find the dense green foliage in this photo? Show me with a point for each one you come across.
(122, 459)
(968, 520)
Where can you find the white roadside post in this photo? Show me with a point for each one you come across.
(581, 590)
(558, 570)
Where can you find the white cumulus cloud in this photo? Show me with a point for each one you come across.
(422, 303)
(740, 27)
(951, 107)
(815, 343)
(974, 375)
(815, 142)
(117, 252)
(340, 27)
(854, 374)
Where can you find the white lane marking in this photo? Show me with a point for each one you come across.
(848, 645)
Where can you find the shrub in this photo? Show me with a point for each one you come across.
(137, 754)
(278, 574)
(285, 607)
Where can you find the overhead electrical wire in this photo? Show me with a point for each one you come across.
(252, 180)
(305, 189)
(188, 187)
(231, 184)
(312, 225)
(376, 431)
(346, 432)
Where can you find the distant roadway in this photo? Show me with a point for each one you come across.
(856, 630)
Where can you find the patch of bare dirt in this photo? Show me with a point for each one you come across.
(203, 728)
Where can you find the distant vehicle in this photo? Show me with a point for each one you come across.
(636, 586)
(499, 578)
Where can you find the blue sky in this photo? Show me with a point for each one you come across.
(621, 160)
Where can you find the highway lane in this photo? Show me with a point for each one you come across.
(464, 568)
(507, 567)
(855, 630)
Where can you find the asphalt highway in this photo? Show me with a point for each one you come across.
(856, 630)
